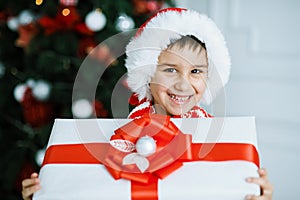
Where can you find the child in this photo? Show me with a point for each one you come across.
(177, 59)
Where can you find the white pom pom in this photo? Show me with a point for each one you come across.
(145, 146)
(13, 23)
(95, 20)
(124, 23)
(41, 90)
(19, 92)
(26, 17)
(82, 108)
(39, 157)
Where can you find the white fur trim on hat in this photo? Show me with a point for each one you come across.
(169, 24)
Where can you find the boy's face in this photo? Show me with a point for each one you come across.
(180, 80)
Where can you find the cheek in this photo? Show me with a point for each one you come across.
(200, 86)
(157, 89)
(160, 82)
(158, 93)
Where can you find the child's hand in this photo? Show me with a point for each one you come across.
(265, 185)
(30, 186)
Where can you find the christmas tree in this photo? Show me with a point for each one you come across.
(43, 43)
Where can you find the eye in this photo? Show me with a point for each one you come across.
(197, 71)
(171, 70)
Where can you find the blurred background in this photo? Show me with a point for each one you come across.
(44, 42)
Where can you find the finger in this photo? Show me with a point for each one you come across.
(259, 181)
(266, 186)
(262, 172)
(262, 180)
(30, 182)
(34, 175)
(27, 192)
(268, 189)
(252, 197)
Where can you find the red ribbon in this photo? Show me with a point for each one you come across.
(173, 148)
(171, 144)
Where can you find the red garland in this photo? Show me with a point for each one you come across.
(70, 22)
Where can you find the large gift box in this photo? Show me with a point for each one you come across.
(153, 157)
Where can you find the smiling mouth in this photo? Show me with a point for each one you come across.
(179, 99)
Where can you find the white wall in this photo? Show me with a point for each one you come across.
(263, 37)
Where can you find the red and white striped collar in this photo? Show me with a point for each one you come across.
(147, 107)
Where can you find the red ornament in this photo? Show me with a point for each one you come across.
(100, 111)
(36, 113)
(153, 6)
(140, 7)
(147, 6)
(26, 33)
(68, 2)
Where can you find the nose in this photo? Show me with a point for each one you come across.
(183, 84)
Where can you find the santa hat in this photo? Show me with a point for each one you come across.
(158, 32)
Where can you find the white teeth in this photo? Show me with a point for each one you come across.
(179, 99)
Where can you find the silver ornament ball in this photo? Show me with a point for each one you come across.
(124, 23)
(19, 91)
(26, 17)
(145, 146)
(95, 20)
(13, 23)
(41, 90)
(82, 108)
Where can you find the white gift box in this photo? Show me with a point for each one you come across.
(209, 180)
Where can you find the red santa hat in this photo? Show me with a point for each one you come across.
(158, 32)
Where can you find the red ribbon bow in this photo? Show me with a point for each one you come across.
(173, 147)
